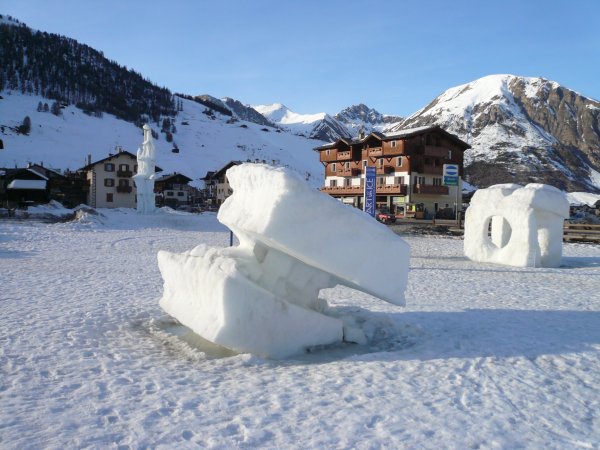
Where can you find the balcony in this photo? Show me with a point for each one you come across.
(375, 151)
(124, 189)
(382, 189)
(392, 189)
(342, 190)
(351, 172)
(430, 189)
(124, 173)
(324, 157)
(385, 170)
(346, 155)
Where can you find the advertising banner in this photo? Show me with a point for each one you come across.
(370, 191)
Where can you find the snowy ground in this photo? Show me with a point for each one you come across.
(483, 356)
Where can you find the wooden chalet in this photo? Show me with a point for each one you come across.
(409, 166)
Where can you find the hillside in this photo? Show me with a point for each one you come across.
(521, 130)
(59, 68)
(205, 141)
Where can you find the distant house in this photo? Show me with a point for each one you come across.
(219, 184)
(22, 187)
(68, 188)
(174, 191)
(209, 193)
(110, 181)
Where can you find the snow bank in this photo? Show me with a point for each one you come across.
(262, 297)
(526, 225)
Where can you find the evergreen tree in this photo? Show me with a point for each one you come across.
(40, 107)
(25, 127)
(55, 109)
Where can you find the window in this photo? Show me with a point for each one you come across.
(109, 182)
(437, 181)
(170, 193)
(124, 183)
(399, 161)
(109, 197)
(380, 162)
(393, 144)
(399, 180)
(180, 194)
(364, 163)
(109, 167)
(328, 152)
(419, 180)
(380, 181)
(333, 167)
(135, 168)
(347, 166)
(347, 182)
(124, 167)
(332, 183)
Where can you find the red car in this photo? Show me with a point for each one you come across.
(385, 216)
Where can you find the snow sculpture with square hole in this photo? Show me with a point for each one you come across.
(526, 225)
(144, 179)
(262, 297)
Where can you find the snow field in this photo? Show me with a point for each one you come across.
(483, 356)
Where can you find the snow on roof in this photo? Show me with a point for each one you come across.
(27, 184)
(408, 131)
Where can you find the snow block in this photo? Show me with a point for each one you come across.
(526, 225)
(262, 296)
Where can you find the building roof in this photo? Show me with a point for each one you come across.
(169, 176)
(220, 172)
(113, 156)
(401, 134)
(27, 184)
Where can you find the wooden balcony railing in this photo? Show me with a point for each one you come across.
(433, 170)
(382, 189)
(124, 173)
(351, 172)
(124, 189)
(344, 156)
(375, 151)
(324, 157)
(430, 189)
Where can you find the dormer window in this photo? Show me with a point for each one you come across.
(393, 144)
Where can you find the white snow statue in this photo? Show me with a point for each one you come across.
(526, 225)
(262, 296)
(144, 179)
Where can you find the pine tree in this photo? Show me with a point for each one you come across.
(40, 107)
(25, 127)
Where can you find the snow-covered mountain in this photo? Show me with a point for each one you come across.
(357, 117)
(315, 126)
(206, 139)
(521, 130)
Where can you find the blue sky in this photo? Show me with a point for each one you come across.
(315, 56)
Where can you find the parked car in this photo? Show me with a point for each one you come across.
(384, 215)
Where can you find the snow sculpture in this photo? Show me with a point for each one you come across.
(144, 179)
(262, 296)
(526, 225)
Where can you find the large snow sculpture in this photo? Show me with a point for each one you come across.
(526, 225)
(262, 296)
(144, 179)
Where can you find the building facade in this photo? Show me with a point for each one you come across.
(173, 190)
(110, 181)
(409, 166)
(216, 185)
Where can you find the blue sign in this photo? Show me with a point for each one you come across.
(370, 191)
(450, 175)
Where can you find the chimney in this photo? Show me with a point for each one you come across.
(361, 133)
(89, 159)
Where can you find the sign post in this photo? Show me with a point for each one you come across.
(370, 193)
(451, 179)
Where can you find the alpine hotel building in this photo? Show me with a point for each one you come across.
(409, 166)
